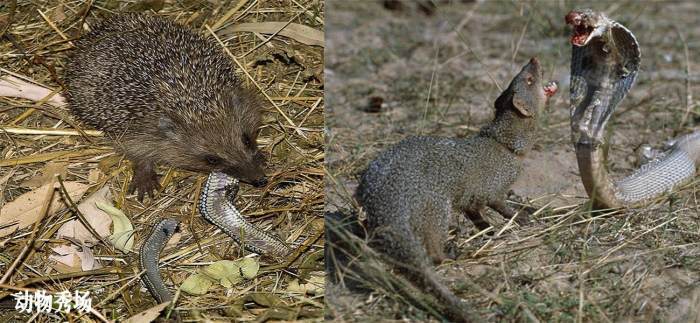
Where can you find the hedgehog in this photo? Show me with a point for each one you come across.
(165, 95)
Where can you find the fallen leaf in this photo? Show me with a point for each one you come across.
(232, 272)
(313, 285)
(67, 255)
(197, 284)
(98, 219)
(74, 259)
(58, 14)
(148, 315)
(51, 169)
(301, 33)
(174, 240)
(94, 175)
(266, 299)
(26, 209)
(87, 259)
(249, 267)
(16, 87)
(123, 235)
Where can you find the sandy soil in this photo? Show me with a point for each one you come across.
(439, 75)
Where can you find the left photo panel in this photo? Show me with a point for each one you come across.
(161, 160)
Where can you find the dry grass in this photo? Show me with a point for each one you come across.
(438, 75)
(288, 72)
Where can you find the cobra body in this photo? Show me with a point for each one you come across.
(604, 64)
(148, 258)
(216, 205)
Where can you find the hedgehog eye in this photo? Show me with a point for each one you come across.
(213, 160)
(247, 141)
(530, 80)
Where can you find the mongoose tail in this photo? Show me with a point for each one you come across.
(412, 260)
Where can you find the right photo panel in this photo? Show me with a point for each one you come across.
(512, 161)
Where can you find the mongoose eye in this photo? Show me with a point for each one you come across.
(213, 160)
(530, 80)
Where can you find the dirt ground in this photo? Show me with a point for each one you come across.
(287, 66)
(438, 74)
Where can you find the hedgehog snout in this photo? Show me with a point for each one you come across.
(251, 173)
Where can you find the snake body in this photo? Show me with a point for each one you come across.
(604, 64)
(148, 258)
(216, 204)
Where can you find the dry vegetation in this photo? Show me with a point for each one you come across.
(438, 74)
(286, 66)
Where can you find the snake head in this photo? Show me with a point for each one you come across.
(587, 25)
(169, 226)
(604, 64)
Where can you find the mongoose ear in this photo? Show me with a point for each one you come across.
(521, 106)
(167, 127)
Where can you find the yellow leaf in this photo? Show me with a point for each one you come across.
(197, 284)
(123, 235)
(313, 285)
(232, 272)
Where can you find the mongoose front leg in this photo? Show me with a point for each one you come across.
(145, 179)
(507, 212)
(474, 215)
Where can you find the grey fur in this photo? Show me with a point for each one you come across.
(411, 191)
(166, 95)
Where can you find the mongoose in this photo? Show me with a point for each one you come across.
(166, 95)
(411, 191)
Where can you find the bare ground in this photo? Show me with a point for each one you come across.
(439, 75)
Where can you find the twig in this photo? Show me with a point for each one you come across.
(688, 92)
(50, 131)
(256, 83)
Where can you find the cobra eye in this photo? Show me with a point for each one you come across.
(213, 160)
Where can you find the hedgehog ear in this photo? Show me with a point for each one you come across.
(167, 127)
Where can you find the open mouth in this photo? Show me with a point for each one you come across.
(551, 88)
(582, 31)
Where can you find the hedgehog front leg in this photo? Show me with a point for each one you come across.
(145, 179)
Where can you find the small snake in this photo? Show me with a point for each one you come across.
(148, 258)
(216, 205)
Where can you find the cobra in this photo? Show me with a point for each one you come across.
(605, 61)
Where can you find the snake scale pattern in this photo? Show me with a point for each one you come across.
(216, 204)
(605, 60)
(148, 258)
